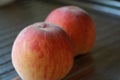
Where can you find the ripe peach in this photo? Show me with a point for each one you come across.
(42, 51)
(78, 24)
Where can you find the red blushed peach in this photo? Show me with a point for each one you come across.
(42, 51)
(78, 24)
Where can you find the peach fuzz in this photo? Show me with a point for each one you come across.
(42, 51)
(78, 24)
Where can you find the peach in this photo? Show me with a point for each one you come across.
(78, 25)
(42, 51)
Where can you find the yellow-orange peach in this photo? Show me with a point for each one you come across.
(42, 51)
(78, 24)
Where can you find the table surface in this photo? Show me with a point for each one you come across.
(103, 63)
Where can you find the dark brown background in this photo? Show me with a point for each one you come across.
(103, 63)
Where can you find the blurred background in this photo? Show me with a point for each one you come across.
(104, 61)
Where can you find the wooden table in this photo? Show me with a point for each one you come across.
(103, 63)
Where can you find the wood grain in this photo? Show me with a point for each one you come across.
(102, 64)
